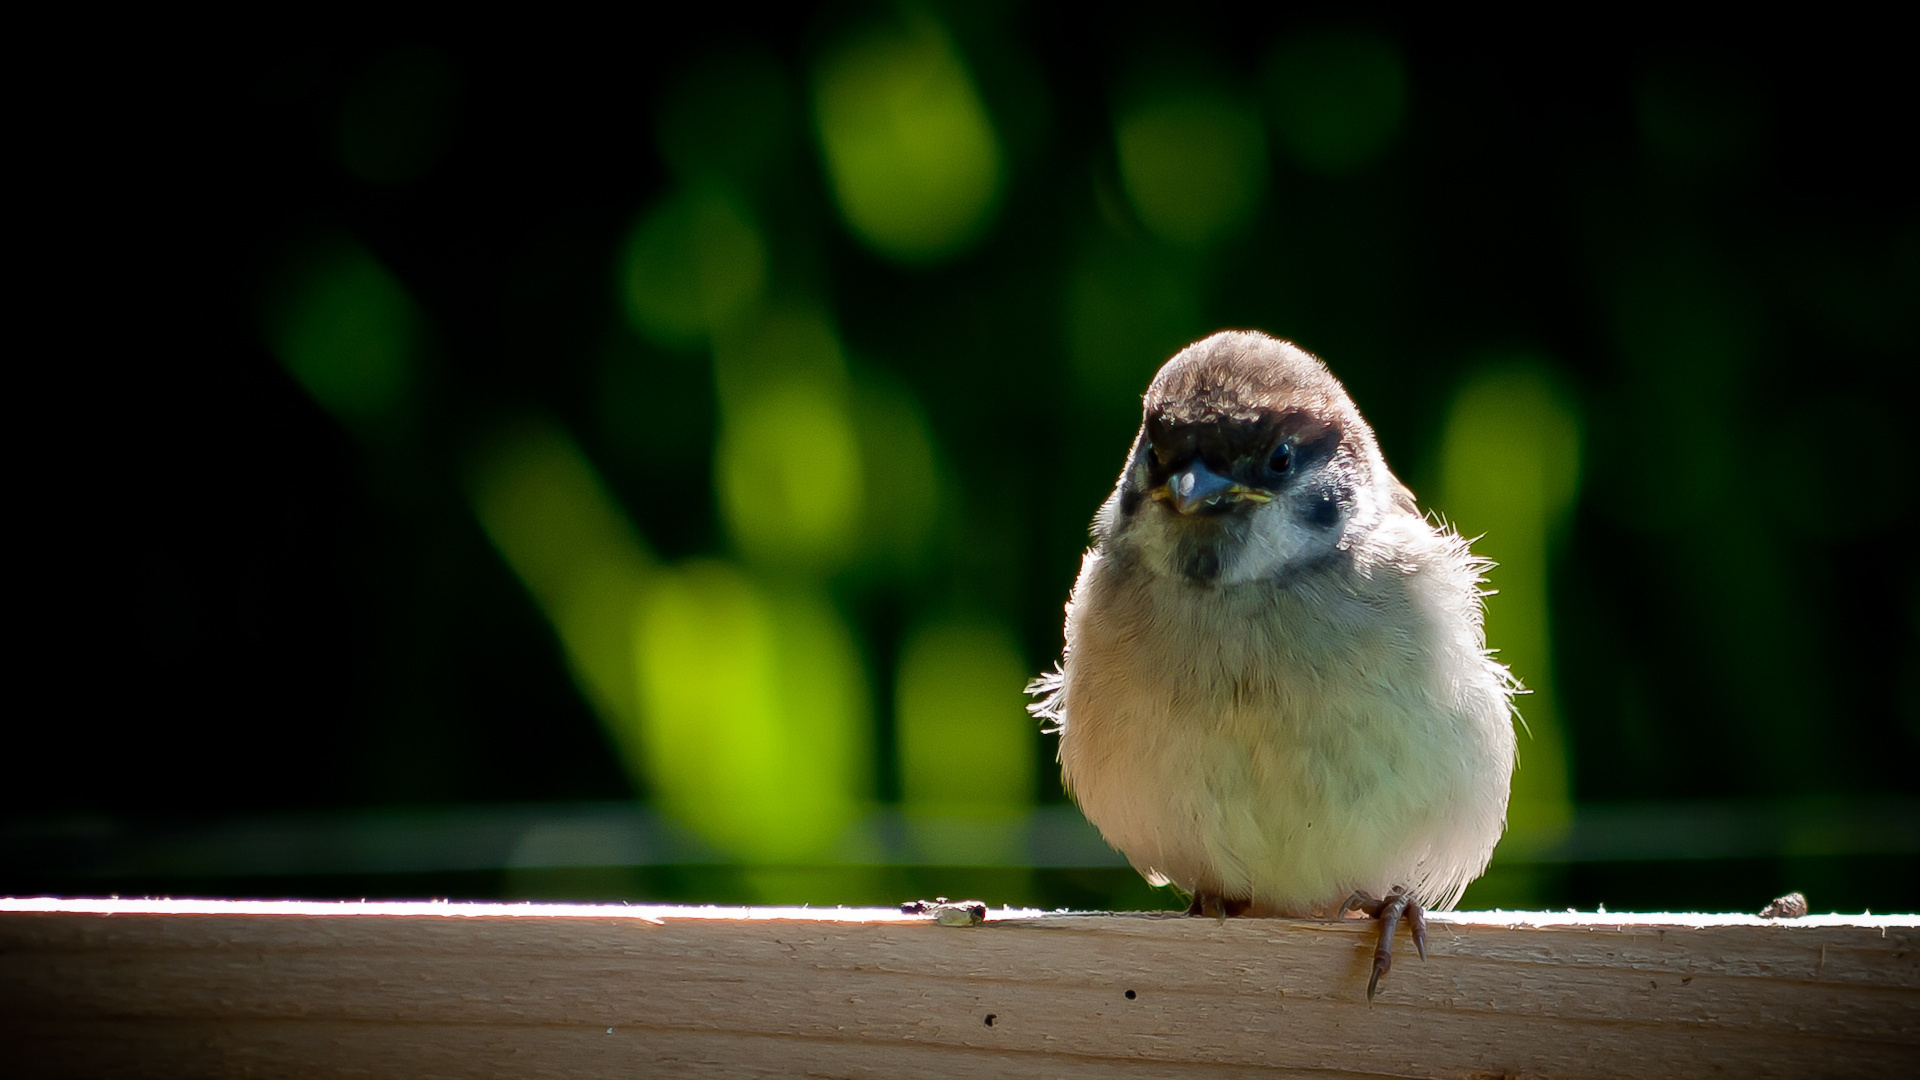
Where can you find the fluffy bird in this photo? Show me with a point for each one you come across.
(1276, 692)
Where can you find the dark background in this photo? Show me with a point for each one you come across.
(235, 604)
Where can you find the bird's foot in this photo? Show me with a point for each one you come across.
(1215, 906)
(1390, 909)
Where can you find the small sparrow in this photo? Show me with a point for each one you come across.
(1276, 692)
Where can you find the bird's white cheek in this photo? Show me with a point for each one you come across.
(1276, 543)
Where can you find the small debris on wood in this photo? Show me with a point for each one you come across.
(1791, 906)
(948, 912)
(964, 913)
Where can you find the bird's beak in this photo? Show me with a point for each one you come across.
(1196, 487)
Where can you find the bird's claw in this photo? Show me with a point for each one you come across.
(1215, 906)
(1397, 904)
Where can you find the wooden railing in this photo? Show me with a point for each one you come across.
(162, 988)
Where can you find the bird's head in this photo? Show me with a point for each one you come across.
(1252, 463)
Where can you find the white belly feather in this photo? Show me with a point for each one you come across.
(1356, 761)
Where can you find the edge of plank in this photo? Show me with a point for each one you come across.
(658, 913)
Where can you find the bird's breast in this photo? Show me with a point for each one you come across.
(1279, 743)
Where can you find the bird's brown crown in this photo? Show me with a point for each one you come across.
(1244, 375)
(1236, 394)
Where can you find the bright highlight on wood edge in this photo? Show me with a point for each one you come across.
(656, 913)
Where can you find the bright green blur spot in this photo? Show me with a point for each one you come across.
(788, 464)
(694, 265)
(757, 725)
(1193, 163)
(965, 739)
(1339, 99)
(911, 155)
(554, 522)
(790, 477)
(346, 330)
(1510, 468)
(743, 710)
(397, 117)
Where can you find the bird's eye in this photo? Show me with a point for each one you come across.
(1282, 458)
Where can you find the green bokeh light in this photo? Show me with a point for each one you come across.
(756, 713)
(965, 739)
(914, 162)
(786, 340)
(789, 473)
(1193, 163)
(1339, 98)
(346, 329)
(742, 709)
(552, 519)
(788, 464)
(1510, 468)
(696, 262)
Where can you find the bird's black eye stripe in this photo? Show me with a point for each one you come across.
(1282, 458)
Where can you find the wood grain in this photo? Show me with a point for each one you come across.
(473, 990)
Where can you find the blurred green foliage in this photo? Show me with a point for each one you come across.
(913, 159)
(753, 712)
(694, 265)
(1339, 97)
(1509, 463)
(716, 426)
(345, 329)
(554, 522)
(1193, 161)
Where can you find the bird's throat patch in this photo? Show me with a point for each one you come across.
(1198, 559)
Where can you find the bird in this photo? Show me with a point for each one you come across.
(1275, 692)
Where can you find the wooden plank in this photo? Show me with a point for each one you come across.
(143, 988)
